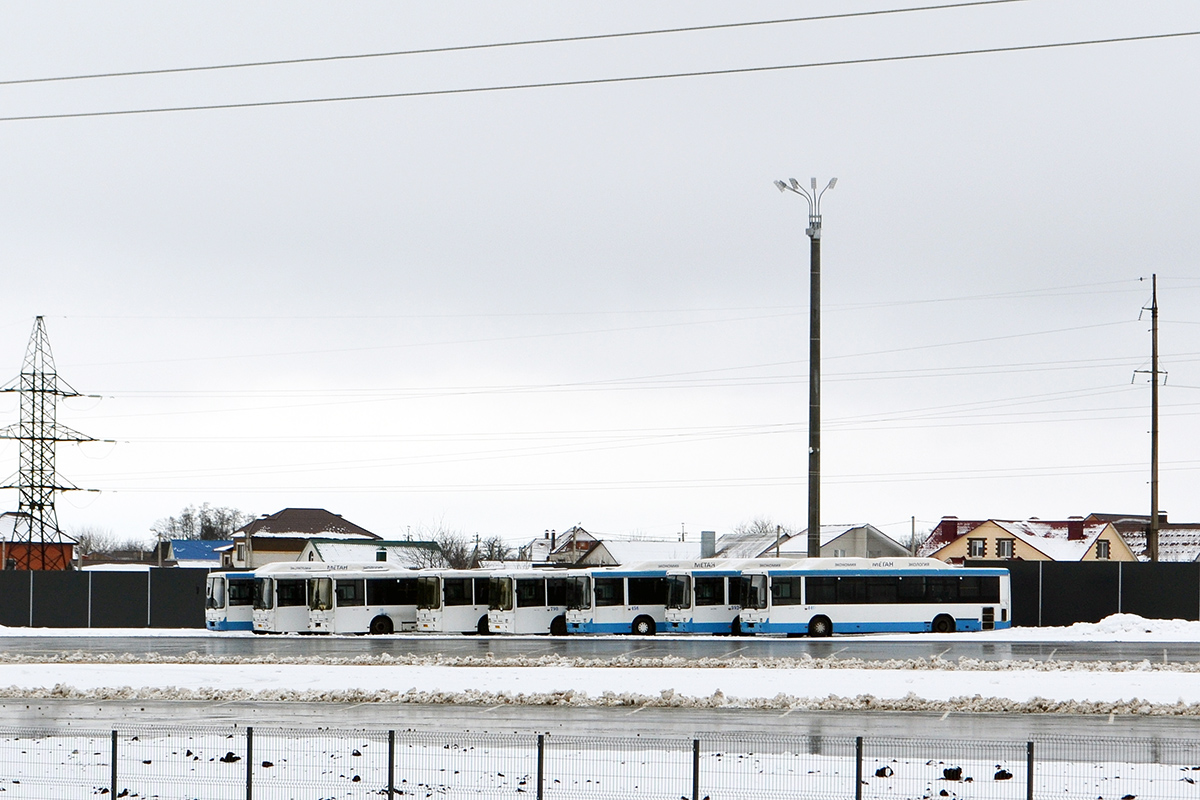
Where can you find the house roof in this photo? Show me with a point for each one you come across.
(750, 544)
(945, 532)
(198, 549)
(1051, 537)
(798, 544)
(304, 523)
(628, 552)
(1177, 541)
(351, 552)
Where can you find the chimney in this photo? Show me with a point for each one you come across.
(1074, 529)
(708, 544)
(947, 529)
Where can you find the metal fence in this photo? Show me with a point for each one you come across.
(221, 763)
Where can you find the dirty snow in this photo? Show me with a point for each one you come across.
(926, 684)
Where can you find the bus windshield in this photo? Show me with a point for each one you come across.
(579, 592)
(679, 591)
(264, 593)
(429, 592)
(500, 594)
(216, 593)
(753, 591)
(320, 594)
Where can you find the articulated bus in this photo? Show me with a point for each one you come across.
(528, 601)
(317, 597)
(823, 596)
(706, 598)
(453, 600)
(627, 599)
(229, 601)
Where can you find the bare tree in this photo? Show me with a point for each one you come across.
(92, 541)
(494, 548)
(762, 526)
(205, 522)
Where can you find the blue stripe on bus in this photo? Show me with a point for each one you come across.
(700, 627)
(226, 625)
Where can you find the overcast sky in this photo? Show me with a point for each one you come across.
(509, 311)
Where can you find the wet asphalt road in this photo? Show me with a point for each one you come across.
(216, 644)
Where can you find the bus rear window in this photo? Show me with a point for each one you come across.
(647, 591)
(392, 591)
(531, 592)
(556, 591)
(241, 592)
(709, 591)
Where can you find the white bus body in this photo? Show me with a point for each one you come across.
(453, 600)
(378, 598)
(626, 599)
(528, 601)
(229, 601)
(319, 597)
(823, 596)
(706, 598)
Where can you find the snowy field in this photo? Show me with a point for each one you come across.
(911, 684)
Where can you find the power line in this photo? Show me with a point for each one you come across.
(498, 45)
(603, 81)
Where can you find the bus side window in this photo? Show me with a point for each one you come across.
(556, 592)
(290, 592)
(457, 591)
(785, 591)
(531, 592)
(648, 591)
(710, 591)
(883, 590)
(482, 586)
(610, 592)
(820, 590)
(350, 593)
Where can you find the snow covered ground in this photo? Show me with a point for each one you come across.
(1142, 687)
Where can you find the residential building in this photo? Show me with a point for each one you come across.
(1075, 539)
(405, 552)
(282, 536)
(861, 540)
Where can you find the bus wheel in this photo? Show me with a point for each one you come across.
(644, 626)
(482, 626)
(558, 626)
(381, 625)
(820, 626)
(943, 623)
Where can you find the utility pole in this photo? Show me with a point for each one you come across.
(1152, 536)
(1152, 529)
(814, 354)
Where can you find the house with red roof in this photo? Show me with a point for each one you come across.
(1074, 539)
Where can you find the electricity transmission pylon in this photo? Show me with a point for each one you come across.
(37, 541)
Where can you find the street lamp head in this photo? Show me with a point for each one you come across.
(832, 183)
(795, 185)
(781, 186)
(814, 185)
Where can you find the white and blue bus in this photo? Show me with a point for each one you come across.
(626, 599)
(823, 596)
(229, 601)
(706, 598)
(528, 601)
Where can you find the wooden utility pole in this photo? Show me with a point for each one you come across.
(1152, 535)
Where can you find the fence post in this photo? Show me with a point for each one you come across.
(858, 768)
(695, 769)
(114, 765)
(391, 764)
(541, 758)
(249, 763)
(1029, 771)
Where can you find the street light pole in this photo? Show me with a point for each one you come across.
(814, 354)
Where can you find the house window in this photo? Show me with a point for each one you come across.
(1102, 549)
(839, 553)
(976, 548)
(1004, 548)
(241, 553)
